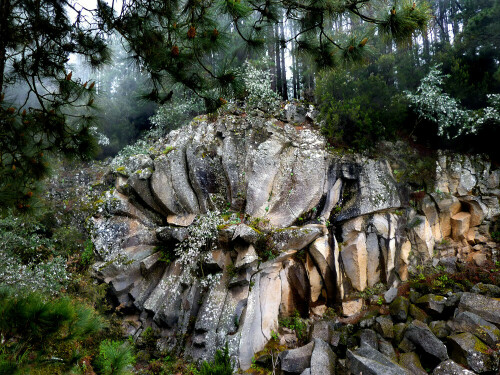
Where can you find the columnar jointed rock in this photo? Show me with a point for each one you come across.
(305, 227)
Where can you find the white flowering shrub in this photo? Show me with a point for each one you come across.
(430, 102)
(197, 248)
(28, 259)
(47, 277)
(258, 86)
(174, 114)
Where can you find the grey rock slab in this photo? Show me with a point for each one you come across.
(487, 308)
(246, 233)
(411, 362)
(467, 349)
(368, 337)
(322, 359)
(391, 295)
(385, 327)
(422, 337)
(432, 303)
(488, 290)
(449, 367)
(368, 361)
(439, 328)
(399, 309)
(470, 322)
(264, 165)
(295, 238)
(295, 361)
(386, 348)
(377, 190)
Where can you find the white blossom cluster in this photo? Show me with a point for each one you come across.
(197, 248)
(49, 277)
(100, 137)
(432, 103)
(258, 86)
(174, 114)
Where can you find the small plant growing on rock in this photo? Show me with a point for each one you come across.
(221, 365)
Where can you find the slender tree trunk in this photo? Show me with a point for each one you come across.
(279, 85)
(271, 50)
(283, 65)
(4, 13)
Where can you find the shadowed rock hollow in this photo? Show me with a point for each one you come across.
(303, 228)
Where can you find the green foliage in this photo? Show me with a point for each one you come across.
(296, 323)
(53, 113)
(357, 108)
(115, 358)
(175, 113)
(35, 329)
(221, 365)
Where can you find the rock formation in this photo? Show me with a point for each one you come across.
(302, 228)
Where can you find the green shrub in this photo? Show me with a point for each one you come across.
(115, 358)
(35, 329)
(357, 108)
(221, 365)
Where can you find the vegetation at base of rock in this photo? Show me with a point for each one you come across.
(295, 323)
(221, 365)
(115, 358)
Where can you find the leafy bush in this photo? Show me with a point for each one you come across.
(221, 365)
(175, 113)
(295, 323)
(115, 358)
(357, 109)
(431, 103)
(257, 82)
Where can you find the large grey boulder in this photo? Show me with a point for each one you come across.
(469, 322)
(423, 338)
(450, 367)
(322, 359)
(467, 349)
(487, 308)
(368, 361)
(295, 361)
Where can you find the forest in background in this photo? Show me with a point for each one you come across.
(362, 67)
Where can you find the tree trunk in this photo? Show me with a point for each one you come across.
(271, 47)
(284, 89)
(279, 85)
(4, 13)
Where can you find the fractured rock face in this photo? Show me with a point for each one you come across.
(302, 228)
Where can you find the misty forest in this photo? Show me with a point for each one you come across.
(295, 187)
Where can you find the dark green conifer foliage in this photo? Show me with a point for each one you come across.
(34, 330)
(221, 365)
(187, 41)
(54, 114)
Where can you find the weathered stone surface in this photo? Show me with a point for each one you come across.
(352, 307)
(467, 349)
(386, 348)
(384, 326)
(322, 359)
(418, 314)
(246, 233)
(354, 257)
(460, 224)
(487, 308)
(488, 290)
(391, 294)
(422, 337)
(368, 337)
(449, 367)
(411, 362)
(399, 309)
(439, 328)
(373, 260)
(295, 361)
(324, 258)
(368, 361)
(469, 322)
(432, 303)
(280, 176)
